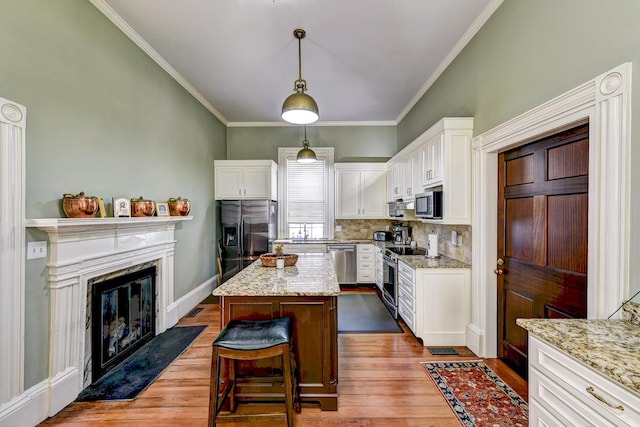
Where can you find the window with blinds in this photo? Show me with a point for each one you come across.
(306, 204)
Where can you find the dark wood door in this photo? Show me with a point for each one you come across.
(542, 236)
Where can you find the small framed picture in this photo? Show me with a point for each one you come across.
(121, 207)
(162, 209)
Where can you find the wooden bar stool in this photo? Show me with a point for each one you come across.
(252, 340)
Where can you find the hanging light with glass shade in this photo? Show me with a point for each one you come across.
(306, 155)
(300, 108)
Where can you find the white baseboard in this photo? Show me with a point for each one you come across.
(443, 338)
(28, 409)
(51, 395)
(475, 340)
(178, 309)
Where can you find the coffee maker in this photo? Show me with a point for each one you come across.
(401, 234)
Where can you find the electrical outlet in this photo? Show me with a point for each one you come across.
(338, 228)
(36, 250)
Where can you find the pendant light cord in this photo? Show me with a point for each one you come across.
(623, 304)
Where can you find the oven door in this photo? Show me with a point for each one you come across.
(390, 285)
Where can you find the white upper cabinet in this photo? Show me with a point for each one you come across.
(246, 179)
(395, 180)
(360, 190)
(431, 161)
(440, 157)
(412, 176)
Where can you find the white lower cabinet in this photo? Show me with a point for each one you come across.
(305, 248)
(435, 303)
(566, 392)
(366, 263)
(379, 267)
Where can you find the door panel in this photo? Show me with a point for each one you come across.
(542, 236)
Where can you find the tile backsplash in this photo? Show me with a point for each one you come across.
(360, 228)
(363, 229)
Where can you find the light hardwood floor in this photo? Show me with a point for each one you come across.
(381, 383)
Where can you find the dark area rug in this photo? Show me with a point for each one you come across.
(477, 395)
(139, 370)
(364, 313)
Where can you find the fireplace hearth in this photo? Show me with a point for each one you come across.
(123, 318)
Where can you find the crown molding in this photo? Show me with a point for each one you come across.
(466, 38)
(117, 20)
(316, 124)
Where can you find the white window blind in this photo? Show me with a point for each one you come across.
(306, 183)
(305, 194)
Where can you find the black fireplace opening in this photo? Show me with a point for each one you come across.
(123, 318)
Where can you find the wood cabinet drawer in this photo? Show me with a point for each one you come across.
(365, 257)
(406, 271)
(553, 368)
(365, 265)
(408, 285)
(406, 298)
(362, 249)
(366, 276)
(407, 315)
(560, 406)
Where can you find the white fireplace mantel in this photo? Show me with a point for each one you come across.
(82, 249)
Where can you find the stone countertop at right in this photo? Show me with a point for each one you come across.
(611, 347)
(421, 261)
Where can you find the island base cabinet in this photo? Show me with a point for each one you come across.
(563, 391)
(316, 339)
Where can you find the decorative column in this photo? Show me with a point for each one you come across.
(12, 183)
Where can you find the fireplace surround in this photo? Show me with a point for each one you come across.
(83, 251)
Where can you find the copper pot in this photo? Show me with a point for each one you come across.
(79, 205)
(142, 207)
(179, 207)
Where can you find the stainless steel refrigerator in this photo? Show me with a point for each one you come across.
(248, 229)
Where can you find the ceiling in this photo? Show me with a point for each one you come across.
(365, 61)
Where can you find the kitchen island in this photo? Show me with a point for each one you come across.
(308, 293)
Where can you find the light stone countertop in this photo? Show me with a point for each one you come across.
(313, 275)
(421, 261)
(611, 347)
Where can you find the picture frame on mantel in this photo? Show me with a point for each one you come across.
(162, 209)
(121, 207)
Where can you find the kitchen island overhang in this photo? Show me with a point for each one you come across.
(308, 293)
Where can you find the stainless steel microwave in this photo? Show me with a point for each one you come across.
(429, 204)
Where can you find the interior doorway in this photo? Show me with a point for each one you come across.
(542, 240)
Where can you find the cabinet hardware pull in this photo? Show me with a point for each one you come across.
(593, 393)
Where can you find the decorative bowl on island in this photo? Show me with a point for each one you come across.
(269, 260)
(79, 205)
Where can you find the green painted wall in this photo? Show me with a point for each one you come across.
(103, 118)
(352, 143)
(528, 53)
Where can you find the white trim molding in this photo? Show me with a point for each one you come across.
(605, 102)
(82, 249)
(12, 253)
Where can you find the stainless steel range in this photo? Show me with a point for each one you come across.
(390, 284)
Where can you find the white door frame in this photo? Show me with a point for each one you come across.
(605, 102)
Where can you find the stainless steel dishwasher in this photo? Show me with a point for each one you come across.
(345, 259)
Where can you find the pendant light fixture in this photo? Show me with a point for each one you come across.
(300, 108)
(306, 155)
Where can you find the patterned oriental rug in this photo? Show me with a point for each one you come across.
(477, 395)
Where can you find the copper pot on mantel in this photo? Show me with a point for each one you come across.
(79, 205)
(179, 207)
(141, 207)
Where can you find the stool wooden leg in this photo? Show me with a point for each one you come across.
(233, 367)
(214, 388)
(288, 384)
